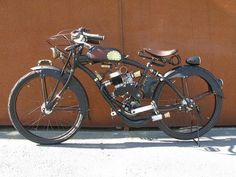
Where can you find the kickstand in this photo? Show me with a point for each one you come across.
(198, 137)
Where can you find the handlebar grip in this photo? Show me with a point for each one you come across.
(100, 37)
(91, 41)
(94, 36)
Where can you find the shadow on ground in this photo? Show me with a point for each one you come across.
(208, 144)
(213, 141)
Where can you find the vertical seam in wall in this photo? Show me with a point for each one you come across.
(121, 25)
(209, 21)
(192, 32)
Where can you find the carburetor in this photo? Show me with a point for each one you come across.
(118, 79)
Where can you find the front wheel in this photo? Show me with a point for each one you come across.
(27, 112)
(194, 115)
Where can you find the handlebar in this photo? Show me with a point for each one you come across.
(74, 39)
(82, 34)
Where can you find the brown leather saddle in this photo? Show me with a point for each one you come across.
(161, 53)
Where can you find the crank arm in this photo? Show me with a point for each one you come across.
(145, 108)
(152, 106)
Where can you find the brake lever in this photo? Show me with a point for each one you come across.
(79, 31)
(83, 29)
(70, 47)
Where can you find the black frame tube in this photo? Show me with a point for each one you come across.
(114, 103)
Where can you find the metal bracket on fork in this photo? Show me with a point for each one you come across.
(44, 62)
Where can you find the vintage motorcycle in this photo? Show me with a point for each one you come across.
(48, 104)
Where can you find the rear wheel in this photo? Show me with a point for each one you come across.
(188, 122)
(29, 116)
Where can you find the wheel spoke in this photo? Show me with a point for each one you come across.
(49, 125)
(185, 88)
(202, 95)
(67, 108)
(29, 113)
(167, 108)
(35, 121)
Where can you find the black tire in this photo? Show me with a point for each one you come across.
(51, 128)
(189, 124)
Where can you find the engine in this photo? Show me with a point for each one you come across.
(124, 84)
(127, 90)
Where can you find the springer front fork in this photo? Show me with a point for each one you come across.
(49, 102)
(55, 97)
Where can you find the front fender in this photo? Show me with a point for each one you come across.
(45, 67)
(187, 71)
(75, 84)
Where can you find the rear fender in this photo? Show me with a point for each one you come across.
(75, 85)
(188, 70)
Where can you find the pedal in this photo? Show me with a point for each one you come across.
(167, 115)
(157, 117)
(160, 116)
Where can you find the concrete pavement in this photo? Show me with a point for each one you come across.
(120, 153)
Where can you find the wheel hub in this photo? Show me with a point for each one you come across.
(45, 110)
(188, 104)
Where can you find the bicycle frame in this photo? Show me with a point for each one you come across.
(81, 62)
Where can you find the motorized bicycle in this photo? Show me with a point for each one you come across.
(48, 104)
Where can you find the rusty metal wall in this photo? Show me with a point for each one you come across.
(198, 27)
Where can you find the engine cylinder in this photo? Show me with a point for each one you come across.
(116, 78)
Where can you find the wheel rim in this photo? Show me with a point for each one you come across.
(62, 121)
(192, 121)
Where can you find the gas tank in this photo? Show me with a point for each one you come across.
(102, 53)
